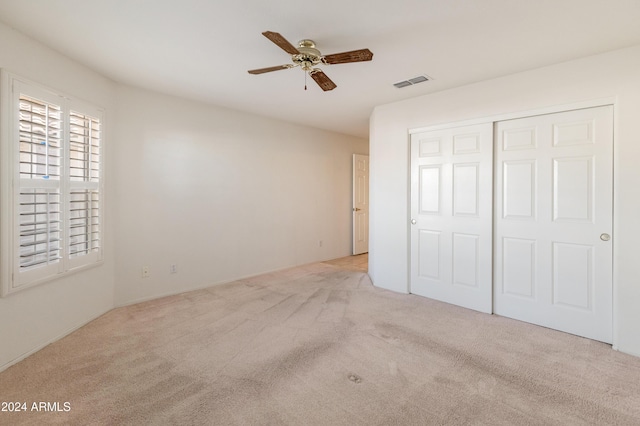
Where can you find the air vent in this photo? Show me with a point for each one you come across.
(411, 81)
(402, 84)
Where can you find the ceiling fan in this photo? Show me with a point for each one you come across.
(307, 57)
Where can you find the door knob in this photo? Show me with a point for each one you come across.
(605, 237)
(355, 209)
(413, 221)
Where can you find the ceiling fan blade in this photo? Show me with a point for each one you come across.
(269, 69)
(323, 81)
(346, 57)
(281, 42)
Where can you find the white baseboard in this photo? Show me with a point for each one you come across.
(50, 341)
(207, 285)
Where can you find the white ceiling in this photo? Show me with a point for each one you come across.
(202, 49)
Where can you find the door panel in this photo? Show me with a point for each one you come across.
(465, 189)
(465, 259)
(360, 204)
(429, 254)
(451, 193)
(572, 275)
(573, 189)
(518, 267)
(553, 199)
(519, 195)
(429, 193)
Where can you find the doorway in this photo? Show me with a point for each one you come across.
(360, 204)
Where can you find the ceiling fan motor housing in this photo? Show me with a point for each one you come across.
(308, 56)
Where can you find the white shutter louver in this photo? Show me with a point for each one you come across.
(84, 148)
(40, 153)
(40, 139)
(39, 228)
(84, 223)
(84, 173)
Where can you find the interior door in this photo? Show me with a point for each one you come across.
(451, 215)
(553, 220)
(360, 204)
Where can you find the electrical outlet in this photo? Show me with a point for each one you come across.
(173, 269)
(145, 272)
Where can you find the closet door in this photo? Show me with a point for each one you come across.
(553, 221)
(451, 222)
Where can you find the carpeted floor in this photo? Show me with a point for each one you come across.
(319, 345)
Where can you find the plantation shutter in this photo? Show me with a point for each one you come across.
(40, 147)
(53, 153)
(84, 175)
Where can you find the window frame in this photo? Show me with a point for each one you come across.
(11, 185)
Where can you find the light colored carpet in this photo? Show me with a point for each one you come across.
(319, 345)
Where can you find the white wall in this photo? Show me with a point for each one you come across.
(222, 194)
(32, 318)
(614, 74)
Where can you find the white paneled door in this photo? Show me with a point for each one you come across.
(360, 204)
(451, 215)
(553, 221)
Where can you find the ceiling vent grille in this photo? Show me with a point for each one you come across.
(411, 81)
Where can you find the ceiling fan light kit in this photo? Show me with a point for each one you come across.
(307, 57)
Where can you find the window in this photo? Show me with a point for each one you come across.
(51, 176)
